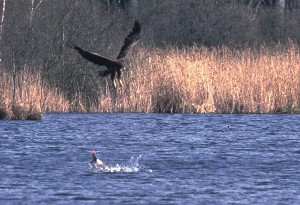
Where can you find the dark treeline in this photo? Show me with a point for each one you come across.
(34, 33)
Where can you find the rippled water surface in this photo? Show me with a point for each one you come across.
(169, 159)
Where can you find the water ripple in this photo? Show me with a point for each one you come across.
(185, 159)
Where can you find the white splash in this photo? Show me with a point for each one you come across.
(131, 166)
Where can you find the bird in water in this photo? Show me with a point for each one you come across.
(97, 162)
(113, 67)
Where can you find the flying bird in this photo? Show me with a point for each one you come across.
(113, 67)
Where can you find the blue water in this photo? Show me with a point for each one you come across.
(169, 159)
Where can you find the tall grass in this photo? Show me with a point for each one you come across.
(173, 80)
(25, 96)
(202, 80)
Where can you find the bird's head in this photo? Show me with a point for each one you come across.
(94, 156)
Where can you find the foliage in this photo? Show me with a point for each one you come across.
(203, 80)
(188, 49)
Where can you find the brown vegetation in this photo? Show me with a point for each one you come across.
(202, 80)
(188, 80)
(199, 57)
(28, 97)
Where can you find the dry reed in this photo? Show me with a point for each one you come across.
(32, 96)
(172, 80)
(202, 80)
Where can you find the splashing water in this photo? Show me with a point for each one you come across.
(131, 166)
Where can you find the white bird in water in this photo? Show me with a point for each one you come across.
(97, 162)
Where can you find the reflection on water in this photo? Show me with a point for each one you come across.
(154, 158)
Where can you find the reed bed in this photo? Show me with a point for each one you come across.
(173, 80)
(202, 80)
(24, 96)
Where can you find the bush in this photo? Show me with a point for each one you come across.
(3, 113)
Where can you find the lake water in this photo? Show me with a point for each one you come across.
(165, 159)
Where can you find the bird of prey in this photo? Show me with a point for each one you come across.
(113, 66)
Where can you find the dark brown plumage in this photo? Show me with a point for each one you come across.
(113, 66)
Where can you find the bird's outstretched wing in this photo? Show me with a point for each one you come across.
(130, 40)
(94, 57)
